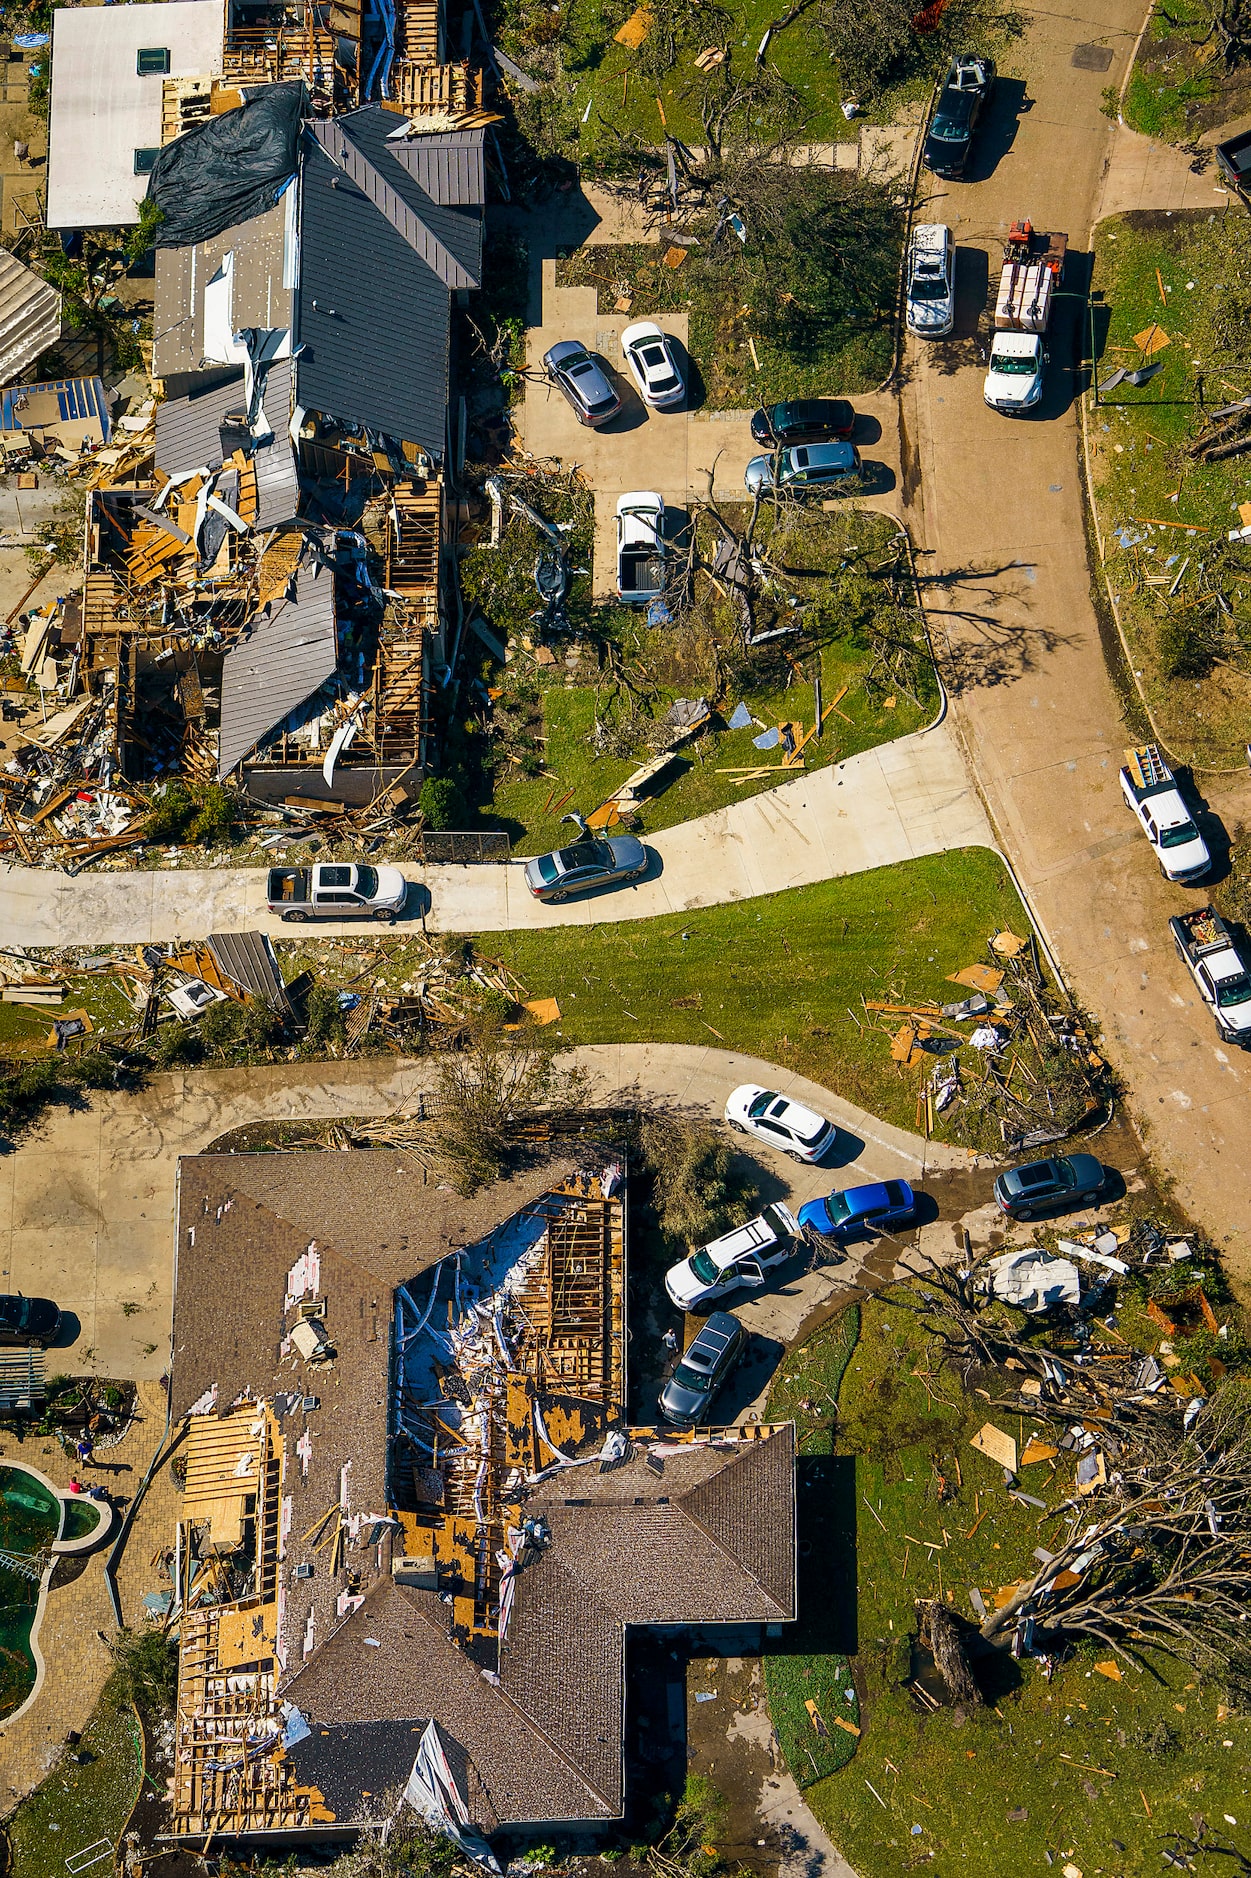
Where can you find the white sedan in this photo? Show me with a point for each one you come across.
(779, 1122)
(653, 366)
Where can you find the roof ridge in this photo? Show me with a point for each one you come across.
(346, 1258)
(725, 1552)
(748, 1451)
(344, 151)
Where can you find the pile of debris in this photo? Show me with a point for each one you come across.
(1034, 1076)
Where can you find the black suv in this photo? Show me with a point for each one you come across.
(687, 1396)
(804, 420)
(966, 92)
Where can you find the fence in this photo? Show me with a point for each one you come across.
(446, 845)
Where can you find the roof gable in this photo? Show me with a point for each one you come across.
(363, 155)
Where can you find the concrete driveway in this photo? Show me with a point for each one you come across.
(681, 453)
(998, 506)
(87, 1205)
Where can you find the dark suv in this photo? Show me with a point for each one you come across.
(687, 1396)
(1046, 1186)
(804, 420)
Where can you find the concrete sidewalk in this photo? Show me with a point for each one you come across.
(891, 804)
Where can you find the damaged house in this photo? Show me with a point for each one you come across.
(415, 1528)
(269, 605)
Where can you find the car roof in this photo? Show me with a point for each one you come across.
(829, 455)
(930, 236)
(807, 410)
(867, 1199)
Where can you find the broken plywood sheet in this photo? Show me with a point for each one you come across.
(1035, 1450)
(636, 29)
(978, 978)
(246, 1634)
(543, 1010)
(995, 1445)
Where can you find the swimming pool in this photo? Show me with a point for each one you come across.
(30, 1522)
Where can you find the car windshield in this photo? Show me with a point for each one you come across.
(602, 404)
(367, 882)
(548, 868)
(1232, 991)
(1012, 367)
(704, 1269)
(695, 1380)
(837, 1208)
(928, 287)
(895, 1192)
(760, 1103)
(950, 130)
(1178, 835)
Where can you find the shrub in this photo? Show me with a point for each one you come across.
(324, 1021)
(698, 1193)
(441, 803)
(146, 1665)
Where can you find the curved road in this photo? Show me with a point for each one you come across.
(996, 509)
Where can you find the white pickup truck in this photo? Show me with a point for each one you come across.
(336, 890)
(1206, 947)
(641, 564)
(1151, 792)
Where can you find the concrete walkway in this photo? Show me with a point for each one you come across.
(1143, 173)
(896, 802)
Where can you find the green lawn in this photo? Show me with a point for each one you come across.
(1175, 91)
(781, 976)
(78, 1805)
(1091, 1761)
(1158, 507)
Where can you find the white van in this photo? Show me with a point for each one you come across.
(741, 1257)
(931, 282)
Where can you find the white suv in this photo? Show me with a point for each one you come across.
(931, 281)
(741, 1257)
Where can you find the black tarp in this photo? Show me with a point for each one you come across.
(229, 168)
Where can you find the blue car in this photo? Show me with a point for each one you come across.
(872, 1208)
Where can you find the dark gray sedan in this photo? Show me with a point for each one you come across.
(1047, 1186)
(28, 1320)
(583, 381)
(687, 1396)
(601, 861)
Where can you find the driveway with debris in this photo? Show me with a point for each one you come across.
(890, 804)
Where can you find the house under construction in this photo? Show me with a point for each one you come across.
(414, 1517)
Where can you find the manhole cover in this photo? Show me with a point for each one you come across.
(1092, 58)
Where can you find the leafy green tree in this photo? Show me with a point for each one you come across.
(441, 803)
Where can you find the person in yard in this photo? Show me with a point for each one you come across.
(84, 1449)
(75, 1486)
(98, 1491)
(670, 1338)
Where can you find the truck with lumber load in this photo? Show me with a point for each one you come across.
(1206, 946)
(1033, 264)
(336, 890)
(1151, 793)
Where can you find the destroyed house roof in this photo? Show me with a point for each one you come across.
(374, 318)
(244, 1223)
(30, 317)
(448, 166)
(288, 655)
(188, 436)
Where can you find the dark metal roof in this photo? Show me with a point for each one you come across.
(447, 165)
(374, 322)
(458, 229)
(247, 958)
(412, 213)
(286, 657)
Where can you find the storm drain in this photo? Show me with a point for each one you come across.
(1092, 58)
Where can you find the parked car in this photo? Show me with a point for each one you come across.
(931, 281)
(871, 1208)
(804, 420)
(641, 569)
(601, 861)
(966, 91)
(775, 1119)
(687, 1396)
(653, 364)
(816, 465)
(1044, 1186)
(336, 890)
(30, 1320)
(741, 1257)
(582, 380)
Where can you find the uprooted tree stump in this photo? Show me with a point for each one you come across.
(943, 1635)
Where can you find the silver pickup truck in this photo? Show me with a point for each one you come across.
(336, 890)
(1151, 792)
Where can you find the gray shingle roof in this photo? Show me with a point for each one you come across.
(448, 165)
(287, 656)
(374, 321)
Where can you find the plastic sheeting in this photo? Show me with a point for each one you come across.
(229, 168)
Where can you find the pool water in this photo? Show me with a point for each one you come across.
(30, 1516)
(81, 1516)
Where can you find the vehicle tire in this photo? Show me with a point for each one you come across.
(296, 919)
(794, 1155)
(737, 1127)
(555, 899)
(385, 919)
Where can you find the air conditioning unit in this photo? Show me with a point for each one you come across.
(303, 1571)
